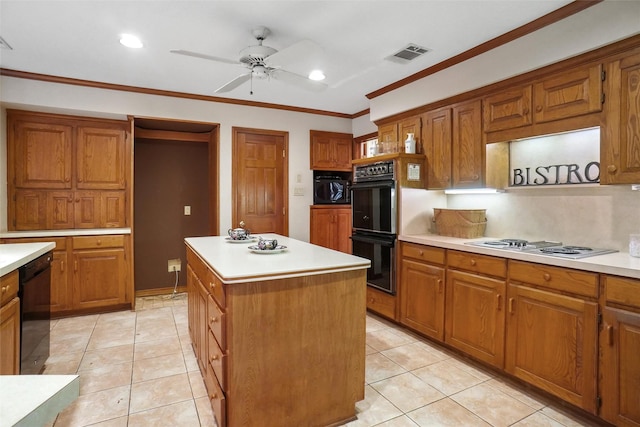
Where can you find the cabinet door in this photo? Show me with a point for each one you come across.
(467, 146)
(436, 137)
(30, 210)
(202, 327)
(422, 298)
(619, 367)
(100, 158)
(112, 205)
(507, 110)
(322, 227)
(620, 150)
(100, 277)
(331, 150)
(88, 209)
(552, 343)
(388, 133)
(60, 210)
(344, 230)
(474, 316)
(42, 154)
(10, 338)
(60, 288)
(411, 125)
(343, 149)
(569, 94)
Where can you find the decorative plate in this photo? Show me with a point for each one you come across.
(248, 240)
(278, 250)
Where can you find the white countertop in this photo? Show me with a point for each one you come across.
(235, 263)
(15, 255)
(619, 263)
(35, 400)
(63, 233)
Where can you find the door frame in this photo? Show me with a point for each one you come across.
(285, 170)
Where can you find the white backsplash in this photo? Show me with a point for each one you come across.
(597, 216)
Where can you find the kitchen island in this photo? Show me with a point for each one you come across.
(279, 337)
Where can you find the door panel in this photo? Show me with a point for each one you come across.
(260, 180)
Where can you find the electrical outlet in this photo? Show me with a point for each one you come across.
(174, 265)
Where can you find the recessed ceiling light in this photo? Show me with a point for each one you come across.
(131, 41)
(316, 75)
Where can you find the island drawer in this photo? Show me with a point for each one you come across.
(96, 242)
(622, 290)
(9, 283)
(423, 253)
(483, 264)
(217, 398)
(555, 278)
(217, 361)
(198, 266)
(216, 288)
(217, 322)
(381, 302)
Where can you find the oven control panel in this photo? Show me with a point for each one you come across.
(374, 172)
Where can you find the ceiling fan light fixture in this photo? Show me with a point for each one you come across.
(131, 41)
(316, 75)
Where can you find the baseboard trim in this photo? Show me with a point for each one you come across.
(159, 291)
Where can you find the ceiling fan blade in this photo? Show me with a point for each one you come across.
(204, 56)
(297, 52)
(234, 83)
(298, 80)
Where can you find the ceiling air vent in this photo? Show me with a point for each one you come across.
(407, 54)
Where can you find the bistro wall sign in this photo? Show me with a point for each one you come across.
(557, 174)
(563, 159)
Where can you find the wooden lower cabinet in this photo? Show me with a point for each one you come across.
(620, 352)
(551, 336)
(331, 227)
(381, 303)
(9, 325)
(262, 346)
(88, 273)
(421, 290)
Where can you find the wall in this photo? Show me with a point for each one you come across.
(43, 96)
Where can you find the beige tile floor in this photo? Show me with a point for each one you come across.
(138, 369)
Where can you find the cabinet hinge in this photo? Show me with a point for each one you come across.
(284, 154)
(602, 98)
(603, 75)
(599, 319)
(284, 211)
(598, 401)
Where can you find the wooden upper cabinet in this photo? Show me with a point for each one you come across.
(436, 139)
(388, 132)
(508, 109)
(467, 145)
(331, 150)
(411, 125)
(620, 149)
(568, 94)
(100, 158)
(41, 153)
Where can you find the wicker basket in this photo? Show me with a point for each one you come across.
(468, 223)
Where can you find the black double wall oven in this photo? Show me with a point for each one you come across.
(373, 206)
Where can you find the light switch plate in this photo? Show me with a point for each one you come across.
(187, 210)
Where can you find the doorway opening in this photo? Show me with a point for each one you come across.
(175, 196)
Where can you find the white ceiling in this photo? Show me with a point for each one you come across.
(79, 39)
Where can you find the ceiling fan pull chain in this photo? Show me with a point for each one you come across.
(251, 83)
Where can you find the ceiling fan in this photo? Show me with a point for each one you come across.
(266, 62)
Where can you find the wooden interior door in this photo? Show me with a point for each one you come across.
(259, 180)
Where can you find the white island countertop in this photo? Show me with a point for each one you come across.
(619, 263)
(235, 263)
(35, 400)
(15, 255)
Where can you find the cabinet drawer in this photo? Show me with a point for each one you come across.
(93, 242)
(217, 399)
(9, 283)
(423, 253)
(216, 288)
(622, 290)
(198, 266)
(482, 264)
(555, 278)
(382, 303)
(217, 323)
(217, 361)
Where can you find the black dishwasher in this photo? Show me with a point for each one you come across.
(35, 314)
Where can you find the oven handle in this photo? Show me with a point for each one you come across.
(373, 184)
(384, 241)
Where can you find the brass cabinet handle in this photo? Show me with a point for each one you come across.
(421, 253)
(212, 285)
(547, 277)
(511, 305)
(213, 319)
(610, 334)
(498, 299)
(473, 262)
(5, 289)
(62, 266)
(612, 168)
(538, 108)
(475, 177)
(440, 287)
